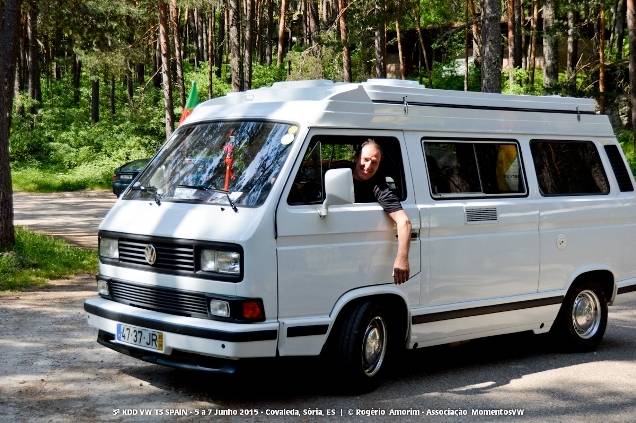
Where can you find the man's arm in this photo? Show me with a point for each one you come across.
(401, 268)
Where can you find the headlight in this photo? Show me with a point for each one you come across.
(228, 262)
(109, 248)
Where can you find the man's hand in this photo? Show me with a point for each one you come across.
(401, 270)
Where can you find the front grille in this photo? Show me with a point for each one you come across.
(169, 256)
(165, 300)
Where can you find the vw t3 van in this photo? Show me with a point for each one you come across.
(242, 237)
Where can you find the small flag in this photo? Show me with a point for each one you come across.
(193, 100)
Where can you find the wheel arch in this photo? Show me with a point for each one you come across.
(603, 275)
(392, 298)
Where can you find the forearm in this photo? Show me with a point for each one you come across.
(404, 238)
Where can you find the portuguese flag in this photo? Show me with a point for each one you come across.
(193, 100)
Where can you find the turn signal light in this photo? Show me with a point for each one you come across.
(252, 310)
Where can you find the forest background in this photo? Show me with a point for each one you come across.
(86, 85)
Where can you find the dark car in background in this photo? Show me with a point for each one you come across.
(125, 173)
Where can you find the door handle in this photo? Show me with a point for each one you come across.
(414, 235)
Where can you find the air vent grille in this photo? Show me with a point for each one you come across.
(481, 214)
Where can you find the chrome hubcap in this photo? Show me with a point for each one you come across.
(586, 314)
(373, 346)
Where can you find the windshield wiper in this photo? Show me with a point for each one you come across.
(149, 189)
(210, 188)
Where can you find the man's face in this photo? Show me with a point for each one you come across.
(368, 163)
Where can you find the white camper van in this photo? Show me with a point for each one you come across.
(242, 237)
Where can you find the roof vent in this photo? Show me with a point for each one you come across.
(394, 83)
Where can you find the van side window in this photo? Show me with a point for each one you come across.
(475, 169)
(619, 168)
(568, 168)
(333, 152)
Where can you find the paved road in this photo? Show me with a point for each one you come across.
(74, 216)
(53, 370)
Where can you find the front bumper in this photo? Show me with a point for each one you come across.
(187, 335)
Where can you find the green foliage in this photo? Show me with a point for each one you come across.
(626, 140)
(37, 258)
(58, 148)
(315, 63)
(265, 76)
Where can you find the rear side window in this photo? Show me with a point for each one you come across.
(568, 168)
(474, 169)
(619, 168)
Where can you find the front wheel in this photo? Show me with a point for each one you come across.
(362, 346)
(582, 319)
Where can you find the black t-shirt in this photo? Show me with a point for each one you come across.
(378, 190)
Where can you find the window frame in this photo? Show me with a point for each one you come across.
(579, 141)
(391, 136)
(472, 140)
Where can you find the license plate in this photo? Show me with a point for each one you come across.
(125, 177)
(140, 337)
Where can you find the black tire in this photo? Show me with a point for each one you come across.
(582, 320)
(362, 346)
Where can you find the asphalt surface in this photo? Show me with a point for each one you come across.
(53, 370)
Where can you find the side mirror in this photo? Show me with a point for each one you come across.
(338, 189)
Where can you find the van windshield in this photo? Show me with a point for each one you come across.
(234, 163)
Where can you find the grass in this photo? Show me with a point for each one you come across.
(32, 179)
(37, 258)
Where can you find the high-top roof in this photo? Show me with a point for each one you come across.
(398, 104)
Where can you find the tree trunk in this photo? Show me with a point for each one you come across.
(491, 42)
(156, 69)
(572, 46)
(9, 27)
(476, 30)
(281, 33)
(211, 64)
(631, 25)
(140, 70)
(165, 66)
(270, 32)
(619, 28)
(510, 9)
(601, 60)
(314, 28)
(111, 98)
(23, 54)
(95, 100)
(196, 22)
(400, 53)
(77, 78)
(380, 40)
(174, 24)
(235, 44)
(220, 51)
(249, 44)
(533, 41)
(35, 90)
(344, 38)
(550, 57)
(518, 53)
(420, 39)
(129, 86)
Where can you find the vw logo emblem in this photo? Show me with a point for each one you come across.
(150, 254)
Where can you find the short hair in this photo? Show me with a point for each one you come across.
(369, 141)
